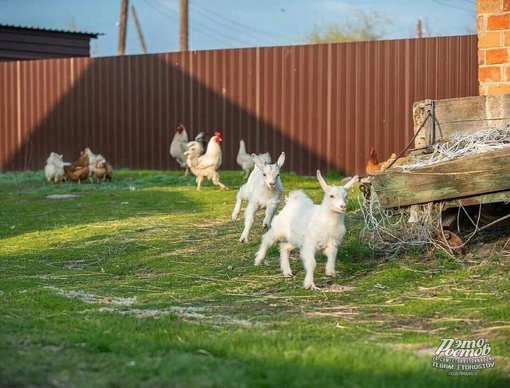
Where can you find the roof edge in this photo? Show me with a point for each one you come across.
(18, 27)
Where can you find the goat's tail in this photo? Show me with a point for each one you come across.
(297, 195)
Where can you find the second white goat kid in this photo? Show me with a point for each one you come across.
(310, 228)
(262, 190)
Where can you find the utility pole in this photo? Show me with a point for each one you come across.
(419, 32)
(183, 25)
(139, 30)
(122, 27)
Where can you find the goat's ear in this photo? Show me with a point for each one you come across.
(281, 160)
(349, 184)
(321, 180)
(258, 161)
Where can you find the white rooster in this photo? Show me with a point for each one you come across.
(205, 166)
(178, 147)
(244, 160)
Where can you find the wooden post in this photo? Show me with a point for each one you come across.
(122, 27)
(139, 30)
(419, 30)
(183, 25)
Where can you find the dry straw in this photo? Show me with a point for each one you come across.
(394, 230)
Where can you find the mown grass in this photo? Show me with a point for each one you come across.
(142, 282)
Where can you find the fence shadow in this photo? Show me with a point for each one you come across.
(324, 105)
(127, 109)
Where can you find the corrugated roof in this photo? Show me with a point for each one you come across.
(91, 34)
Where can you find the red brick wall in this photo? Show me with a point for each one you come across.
(493, 23)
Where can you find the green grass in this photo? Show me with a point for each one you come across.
(142, 282)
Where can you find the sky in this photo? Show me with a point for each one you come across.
(224, 24)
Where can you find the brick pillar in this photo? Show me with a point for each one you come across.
(493, 24)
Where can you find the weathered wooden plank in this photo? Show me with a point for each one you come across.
(459, 116)
(502, 196)
(463, 177)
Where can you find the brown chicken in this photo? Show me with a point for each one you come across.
(373, 163)
(79, 170)
(83, 161)
(76, 173)
(103, 171)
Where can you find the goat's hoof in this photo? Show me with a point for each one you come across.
(311, 287)
(288, 274)
(243, 240)
(331, 274)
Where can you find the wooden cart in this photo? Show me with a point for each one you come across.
(480, 179)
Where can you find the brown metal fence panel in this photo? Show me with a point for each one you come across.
(324, 105)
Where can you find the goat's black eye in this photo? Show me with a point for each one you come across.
(264, 174)
(331, 196)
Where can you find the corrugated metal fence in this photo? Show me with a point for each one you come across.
(324, 105)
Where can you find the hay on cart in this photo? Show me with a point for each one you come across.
(404, 207)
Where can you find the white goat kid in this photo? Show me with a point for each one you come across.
(262, 190)
(309, 227)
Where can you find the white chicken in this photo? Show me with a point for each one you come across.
(179, 146)
(244, 160)
(98, 166)
(54, 169)
(94, 160)
(205, 166)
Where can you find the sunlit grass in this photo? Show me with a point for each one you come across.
(142, 282)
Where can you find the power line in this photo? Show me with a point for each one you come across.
(233, 24)
(453, 6)
(197, 26)
(163, 8)
(174, 16)
(208, 31)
